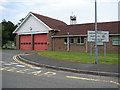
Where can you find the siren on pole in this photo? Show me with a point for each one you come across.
(72, 19)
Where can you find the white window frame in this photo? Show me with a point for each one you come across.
(64, 41)
(80, 40)
(115, 38)
(70, 40)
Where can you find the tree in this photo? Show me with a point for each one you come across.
(20, 21)
(7, 29)
(11, 28)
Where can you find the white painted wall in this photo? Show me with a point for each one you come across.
(37, 26)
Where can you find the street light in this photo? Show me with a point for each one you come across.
(95, 31)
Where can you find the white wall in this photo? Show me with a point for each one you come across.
(37, 26)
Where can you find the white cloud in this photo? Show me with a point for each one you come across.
(1, 9)
(61, 9)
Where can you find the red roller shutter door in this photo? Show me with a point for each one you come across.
(25, 42)
(40, 42)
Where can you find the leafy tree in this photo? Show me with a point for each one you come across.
(20, 21)
(11, 28)
(7, 29)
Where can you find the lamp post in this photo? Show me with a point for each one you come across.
(95, 31)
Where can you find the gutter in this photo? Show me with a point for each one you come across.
(80, 35)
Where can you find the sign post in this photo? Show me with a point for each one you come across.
(91, 49)
(105, 49)
(102, 36)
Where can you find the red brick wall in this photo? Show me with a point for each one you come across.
(17, 42)
(60, 46)
(49, 39)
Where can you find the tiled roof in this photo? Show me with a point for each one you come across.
(52, 23)
(77, 29)
(81, 29)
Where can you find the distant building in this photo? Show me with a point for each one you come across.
(38, 32)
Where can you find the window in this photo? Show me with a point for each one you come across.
(116, 40)
(80, 40)
(65, 40)
(71, 40)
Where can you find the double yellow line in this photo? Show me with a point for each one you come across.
(97, 80)
(15, 58)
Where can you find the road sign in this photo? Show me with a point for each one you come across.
(102, 36)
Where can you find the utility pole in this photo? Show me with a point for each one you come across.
(95, 31)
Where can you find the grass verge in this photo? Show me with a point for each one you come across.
(80, 57)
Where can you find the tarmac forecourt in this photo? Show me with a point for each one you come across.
(48, 74)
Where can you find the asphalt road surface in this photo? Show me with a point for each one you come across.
(16, 75)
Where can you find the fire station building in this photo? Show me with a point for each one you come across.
(38, 32)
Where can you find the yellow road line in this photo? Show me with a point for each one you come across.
(12, 69)
(4, 68)
(21, 71)
(97, 80)
(50, 74)
(35, 73)
(14, 58)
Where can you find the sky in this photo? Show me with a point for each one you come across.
(84, 10)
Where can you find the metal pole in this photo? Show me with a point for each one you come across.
(53, 44)
(91, 49)
(68, 42)
(105, 49)
(86, 45)
(95, 31)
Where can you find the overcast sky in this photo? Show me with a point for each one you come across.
(14, 10)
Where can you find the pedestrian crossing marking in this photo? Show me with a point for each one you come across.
(20, 65)
(13, 63)
(7, 64)
(35, 67)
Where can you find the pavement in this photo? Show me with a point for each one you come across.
(77, 67)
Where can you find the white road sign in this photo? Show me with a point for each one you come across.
(102, 36)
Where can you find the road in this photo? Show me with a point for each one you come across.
(16, 75)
